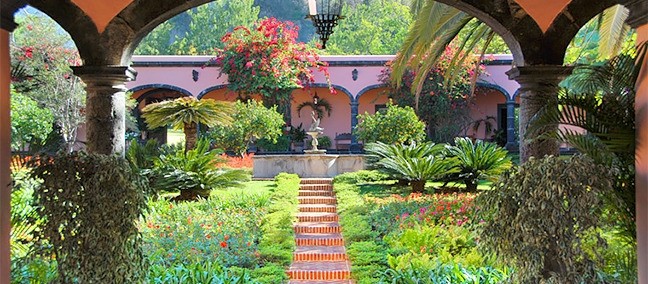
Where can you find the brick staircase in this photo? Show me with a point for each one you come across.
(320, 256)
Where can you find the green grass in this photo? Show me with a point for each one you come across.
(250, 187)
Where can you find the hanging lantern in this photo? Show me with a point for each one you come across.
(325, 15)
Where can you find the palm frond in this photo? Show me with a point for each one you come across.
(187, 110)
(612, 30)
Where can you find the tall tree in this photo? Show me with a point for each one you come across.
(199, 30)
(42, 53)
(378, 27)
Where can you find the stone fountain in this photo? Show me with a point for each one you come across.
(313, 132)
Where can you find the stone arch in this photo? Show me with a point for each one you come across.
(369, 88)
(336, 87)
(495, 87)
(158, 87)
(210, 89)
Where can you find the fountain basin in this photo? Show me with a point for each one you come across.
(306, 166)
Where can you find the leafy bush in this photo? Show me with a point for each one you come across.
(251, 121)
(397, 125)
(193, 172)
(282, 144)
(416, 163)
(565, 193)
(324, 142)
(448, 273)
(98, 220)
(477, 161)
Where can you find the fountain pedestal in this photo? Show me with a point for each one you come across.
(314, 143)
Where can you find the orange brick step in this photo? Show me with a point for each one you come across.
(316, 181)
(328, 208)
(312, 239)
(315, 193)
(317, 217)
(317, 200)
(321, 282)
(324, 187)
(319, 270)
(317, 227)
(320, 253)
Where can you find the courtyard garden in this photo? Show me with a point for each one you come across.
(432, 206)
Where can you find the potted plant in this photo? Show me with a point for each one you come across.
(297, 136)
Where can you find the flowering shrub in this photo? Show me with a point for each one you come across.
(267, 59)
(236, 162)
(443, 106)
(206, 231)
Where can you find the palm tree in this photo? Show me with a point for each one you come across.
(600, 99)
(436, 25)
(416, 163)
(186, 113)
(478, 161)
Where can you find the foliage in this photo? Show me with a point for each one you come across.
(395, 126)
(319, 107)
(567, 194)
(195, 273)
(251, 121)
(478, 160)
(297, 134)
(445, 108)
(278, 239)
(450, 273)
(97, 218)
(282, 144)
(324, 142)
(224, 231)
(266, 59)
(42, 53)
(600, 99)
(198, 30)
(237, 162)
(416, 238)
(371, 27)
(186, 113)
(194, 173)
(231, 235)
(24, 218)
(30, 124)
(416, 163)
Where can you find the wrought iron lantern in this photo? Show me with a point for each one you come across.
(325, 15)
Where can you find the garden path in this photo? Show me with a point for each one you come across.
(320, 256)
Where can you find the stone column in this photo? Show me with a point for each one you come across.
(641, 163)
(538, 88)
(5, 158)
(354, 147)
(511, 145)
(105, 106)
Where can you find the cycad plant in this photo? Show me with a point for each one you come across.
(416, 163)
(186, 113)
(478, 160)
(600, 100)
(194, 173)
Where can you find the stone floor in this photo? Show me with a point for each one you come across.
(320, 256)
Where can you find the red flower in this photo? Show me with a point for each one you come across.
(223, 244)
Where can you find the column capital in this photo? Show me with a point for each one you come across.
(102, 75)
(539, 73)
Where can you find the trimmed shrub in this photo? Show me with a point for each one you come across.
(89, 204)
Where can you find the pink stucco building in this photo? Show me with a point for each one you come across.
(355, 78)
